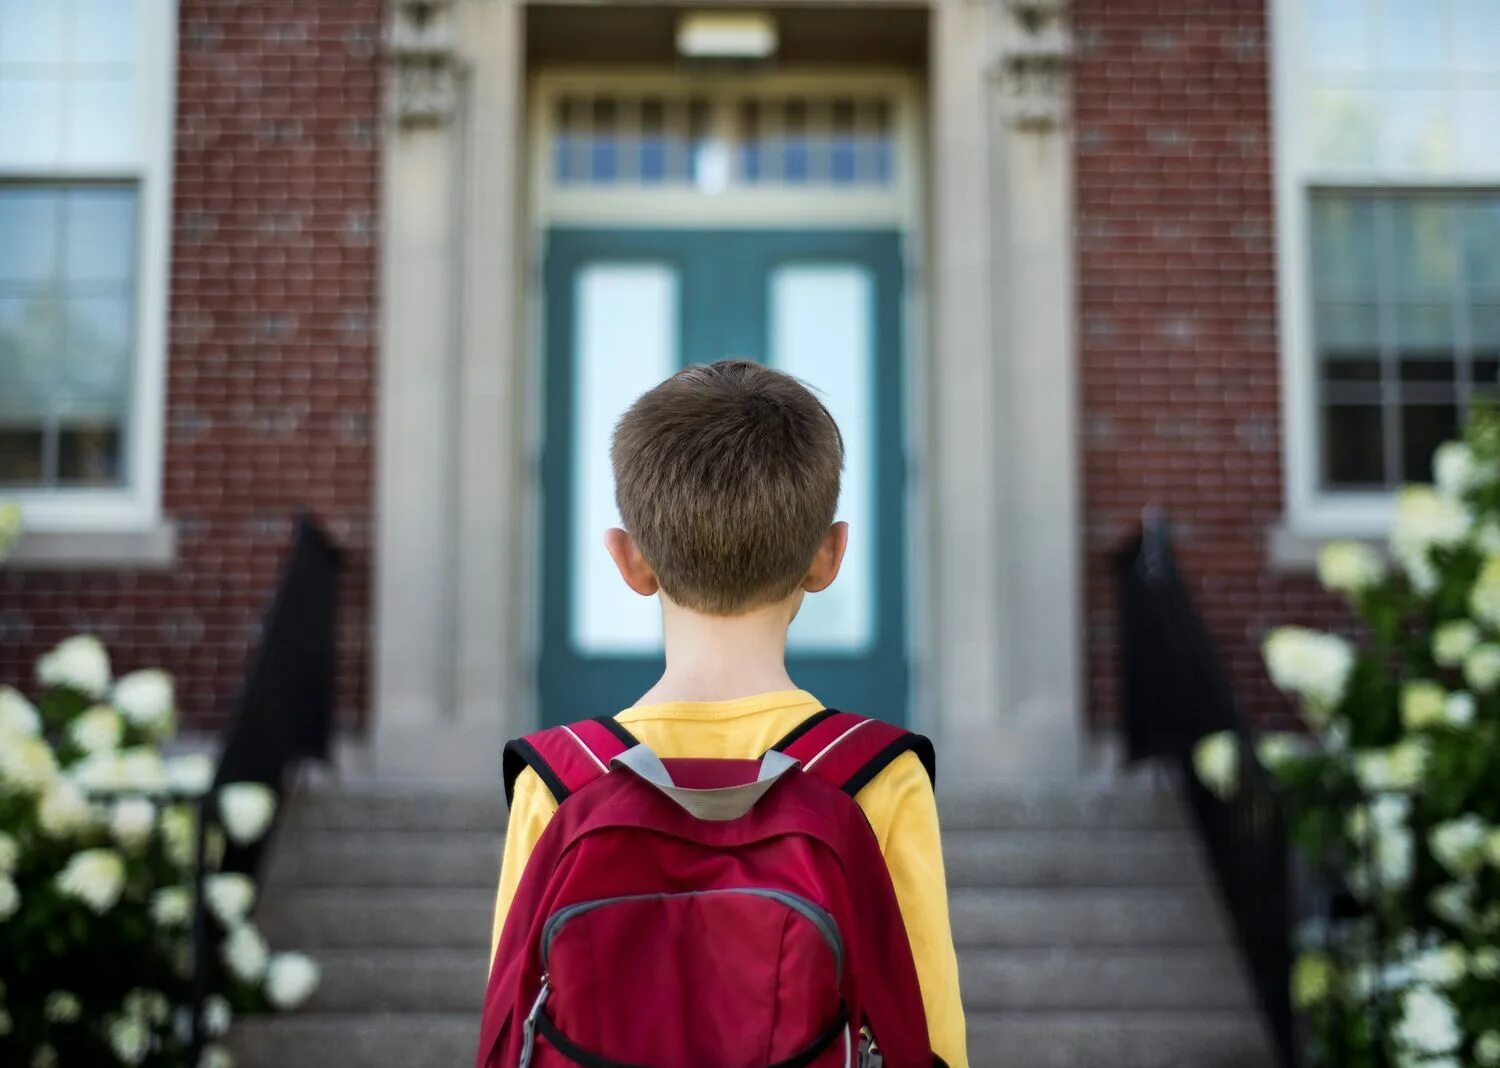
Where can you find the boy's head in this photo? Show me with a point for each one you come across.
(727, 477)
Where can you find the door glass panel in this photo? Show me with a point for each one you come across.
(626, 342)
(820, 330)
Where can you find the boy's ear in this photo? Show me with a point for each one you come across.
(827, 560)
(634, 569)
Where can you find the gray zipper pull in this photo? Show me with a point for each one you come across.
(528, 1029)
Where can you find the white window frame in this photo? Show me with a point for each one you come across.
(1311, 512)
(134, 507)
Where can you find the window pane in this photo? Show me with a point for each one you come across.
(626, 341)
(1344, 246)
(1353, 447)
(31, 31)
(104, 31)
(1345, 127)
(100, 235)
(821, 332)
(28, 234)
(1477, 120)
(66, 333)
(1423, 428)
(1340, 33)
(31, 116)
(102, 122)
(1426, 246)
(1476, 28)
(1412, 36)
(1418, 127)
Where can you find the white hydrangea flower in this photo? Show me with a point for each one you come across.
(1484, 963)
(141, 768)
(1487, 1049)
(62, 1007)
(97, 729)
(171, 906)
(17, 715)
(1311, 664)
(129, 1038)
(1425, 520)
(1441, 966)
(44, 1057)
(26, 764)
(149, 1005)
(1492, 848)
(1484, 598)
(1216, 760)
(1459, 708)
(190, 773)
(63, 809)
(217, 1016)
(1482, 668)
(1312, 980)
(1422, 705)
(1275, 749)
(1349, 567)
(1459, 844)
(132, 821)
(1400, 767)
(147, 700)
(229, 896)
(10, 527)
(215, 1056)
(291, 979)
(1429, 1022)
(79, 663)
(5, 1023)
(1455, 470)
(1454, 640)
(10, 853)
(95, 876)
(179, 829)
(1453, 903)
(245, 810)
(10, 898)
(246, 953)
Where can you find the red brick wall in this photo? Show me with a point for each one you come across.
(271, 365)
(1178, 330)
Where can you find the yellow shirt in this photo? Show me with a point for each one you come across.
(898, 803)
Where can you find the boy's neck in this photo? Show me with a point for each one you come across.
(721, 658)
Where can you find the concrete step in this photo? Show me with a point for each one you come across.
(1059, 858)
(1014, 1039)
(1132, 1039)
(1090, 979)
(452, 980)
(401, 980)
(356, 1040)
(1087, 917)
(409, 858)
(439, 918)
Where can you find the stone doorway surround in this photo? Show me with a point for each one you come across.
(998, 636)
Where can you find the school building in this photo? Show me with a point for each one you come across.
(402, 263)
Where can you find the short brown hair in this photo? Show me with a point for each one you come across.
(727, 476)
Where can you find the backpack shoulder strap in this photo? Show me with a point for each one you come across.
(566, 758)
(847, 750)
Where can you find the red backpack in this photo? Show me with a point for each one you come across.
(706, 913)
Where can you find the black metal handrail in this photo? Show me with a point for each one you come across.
(283, 715)
(1175, 693)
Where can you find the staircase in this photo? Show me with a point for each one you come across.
(1087, 931)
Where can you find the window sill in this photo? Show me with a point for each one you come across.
(153, 549)
(1290, 552)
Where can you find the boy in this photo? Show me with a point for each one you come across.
(727, 477)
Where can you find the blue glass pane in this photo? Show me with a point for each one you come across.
(562, 159)
(28, 233)
(100, 236)
(604, 159)
(751, 163)
(795, 161)
(842, 161)
(881, 162)
(653, 158)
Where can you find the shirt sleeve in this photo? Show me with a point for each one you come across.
(903, 813)
(531, 809)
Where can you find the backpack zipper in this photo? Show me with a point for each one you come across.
(818, 916)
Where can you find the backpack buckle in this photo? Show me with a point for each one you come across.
(528, 1029)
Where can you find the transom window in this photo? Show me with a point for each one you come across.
(715, 142)
(1388, 180)
(84, 136)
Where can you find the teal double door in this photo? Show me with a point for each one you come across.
(624, 309)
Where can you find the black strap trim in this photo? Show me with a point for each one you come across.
(938, 1062)
(802, 728)
(578, 1055)
(520, 755)
(880, 761)
(617, 728)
